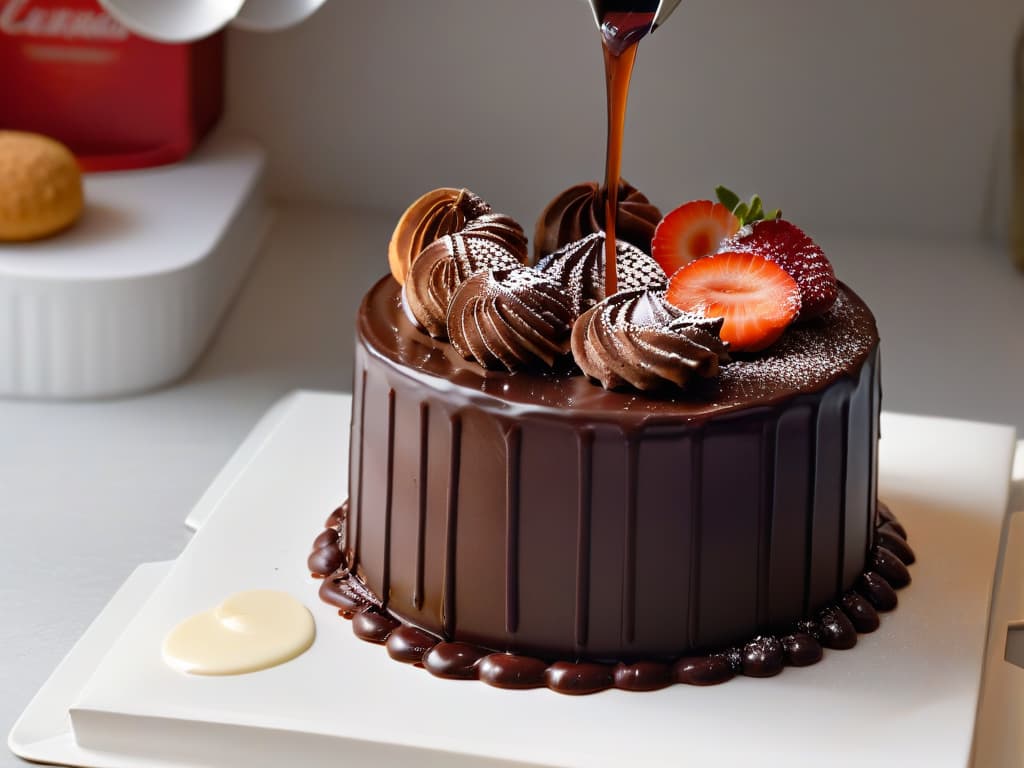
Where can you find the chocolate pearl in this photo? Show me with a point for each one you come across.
(338, 516)
(860, 612)
(762, 657)
(325, 560)
(506, 670)
(373, 627)
(889, 567)
(882, 512)
(836, 630)
(877, 590)
(327, 538)
(735, 658)
(326, 557)
(408, 644)
(579, 678)
(702, 670)
(454, 661)
(895, 544)
(895, 527)
(811, 628)
(801, 649)
(643, 676)
(337, 592)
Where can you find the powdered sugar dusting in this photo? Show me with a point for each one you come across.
(475, 252)
(579, 268)
(808, 356)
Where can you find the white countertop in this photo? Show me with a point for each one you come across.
(90, 490)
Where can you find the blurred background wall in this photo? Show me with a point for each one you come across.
(887, 117)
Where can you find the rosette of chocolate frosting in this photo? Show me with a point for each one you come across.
(443, 266)
(579, 268)
(438, 213)
(503, 227)
(510, 319)
(579, 211)
(637, 339)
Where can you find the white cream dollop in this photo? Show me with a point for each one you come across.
(247, 632)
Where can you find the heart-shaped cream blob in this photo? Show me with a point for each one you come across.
(247, 632)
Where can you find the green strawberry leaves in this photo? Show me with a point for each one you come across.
(747, 213)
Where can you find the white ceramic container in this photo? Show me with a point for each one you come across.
(128, 298)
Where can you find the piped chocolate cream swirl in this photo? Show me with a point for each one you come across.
(438, 213)
(637, 339)
(579, 211)
(443, 266)
(579, 268)
(511, 319)
(505, 228)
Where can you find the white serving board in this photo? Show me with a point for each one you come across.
(999, 739)
(128, 298)
(43, 732)
(908, 694)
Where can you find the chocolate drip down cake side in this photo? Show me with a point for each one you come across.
(549, 486)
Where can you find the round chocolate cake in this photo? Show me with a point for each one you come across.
(671, 512)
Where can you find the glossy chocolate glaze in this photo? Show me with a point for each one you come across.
(504, 510)
(810, 357)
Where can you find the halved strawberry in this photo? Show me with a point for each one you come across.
(690, 231)
(756, 297)
(788, 246)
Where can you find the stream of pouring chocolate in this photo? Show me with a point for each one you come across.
(623, 24)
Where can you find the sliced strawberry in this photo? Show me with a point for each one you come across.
(691, 231)
(788, 246)
(756, 297)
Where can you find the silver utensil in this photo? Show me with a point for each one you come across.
(663, 11)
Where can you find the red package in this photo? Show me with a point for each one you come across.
(70, 71)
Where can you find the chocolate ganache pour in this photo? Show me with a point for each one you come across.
(623, 24)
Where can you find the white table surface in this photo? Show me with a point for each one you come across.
(90, 490)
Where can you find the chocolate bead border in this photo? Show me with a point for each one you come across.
(834, 627)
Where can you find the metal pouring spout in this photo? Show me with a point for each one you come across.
(663, 9)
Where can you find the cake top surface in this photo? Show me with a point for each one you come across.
(810, 356)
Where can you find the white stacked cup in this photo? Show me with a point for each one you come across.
(182, 21)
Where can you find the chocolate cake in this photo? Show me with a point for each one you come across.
(514, 520)
(646, 455)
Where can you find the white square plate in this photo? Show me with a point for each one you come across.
(907, 694)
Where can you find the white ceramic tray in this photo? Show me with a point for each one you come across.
(907, 695)
(128, 298)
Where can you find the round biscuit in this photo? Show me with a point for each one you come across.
(40, 187)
